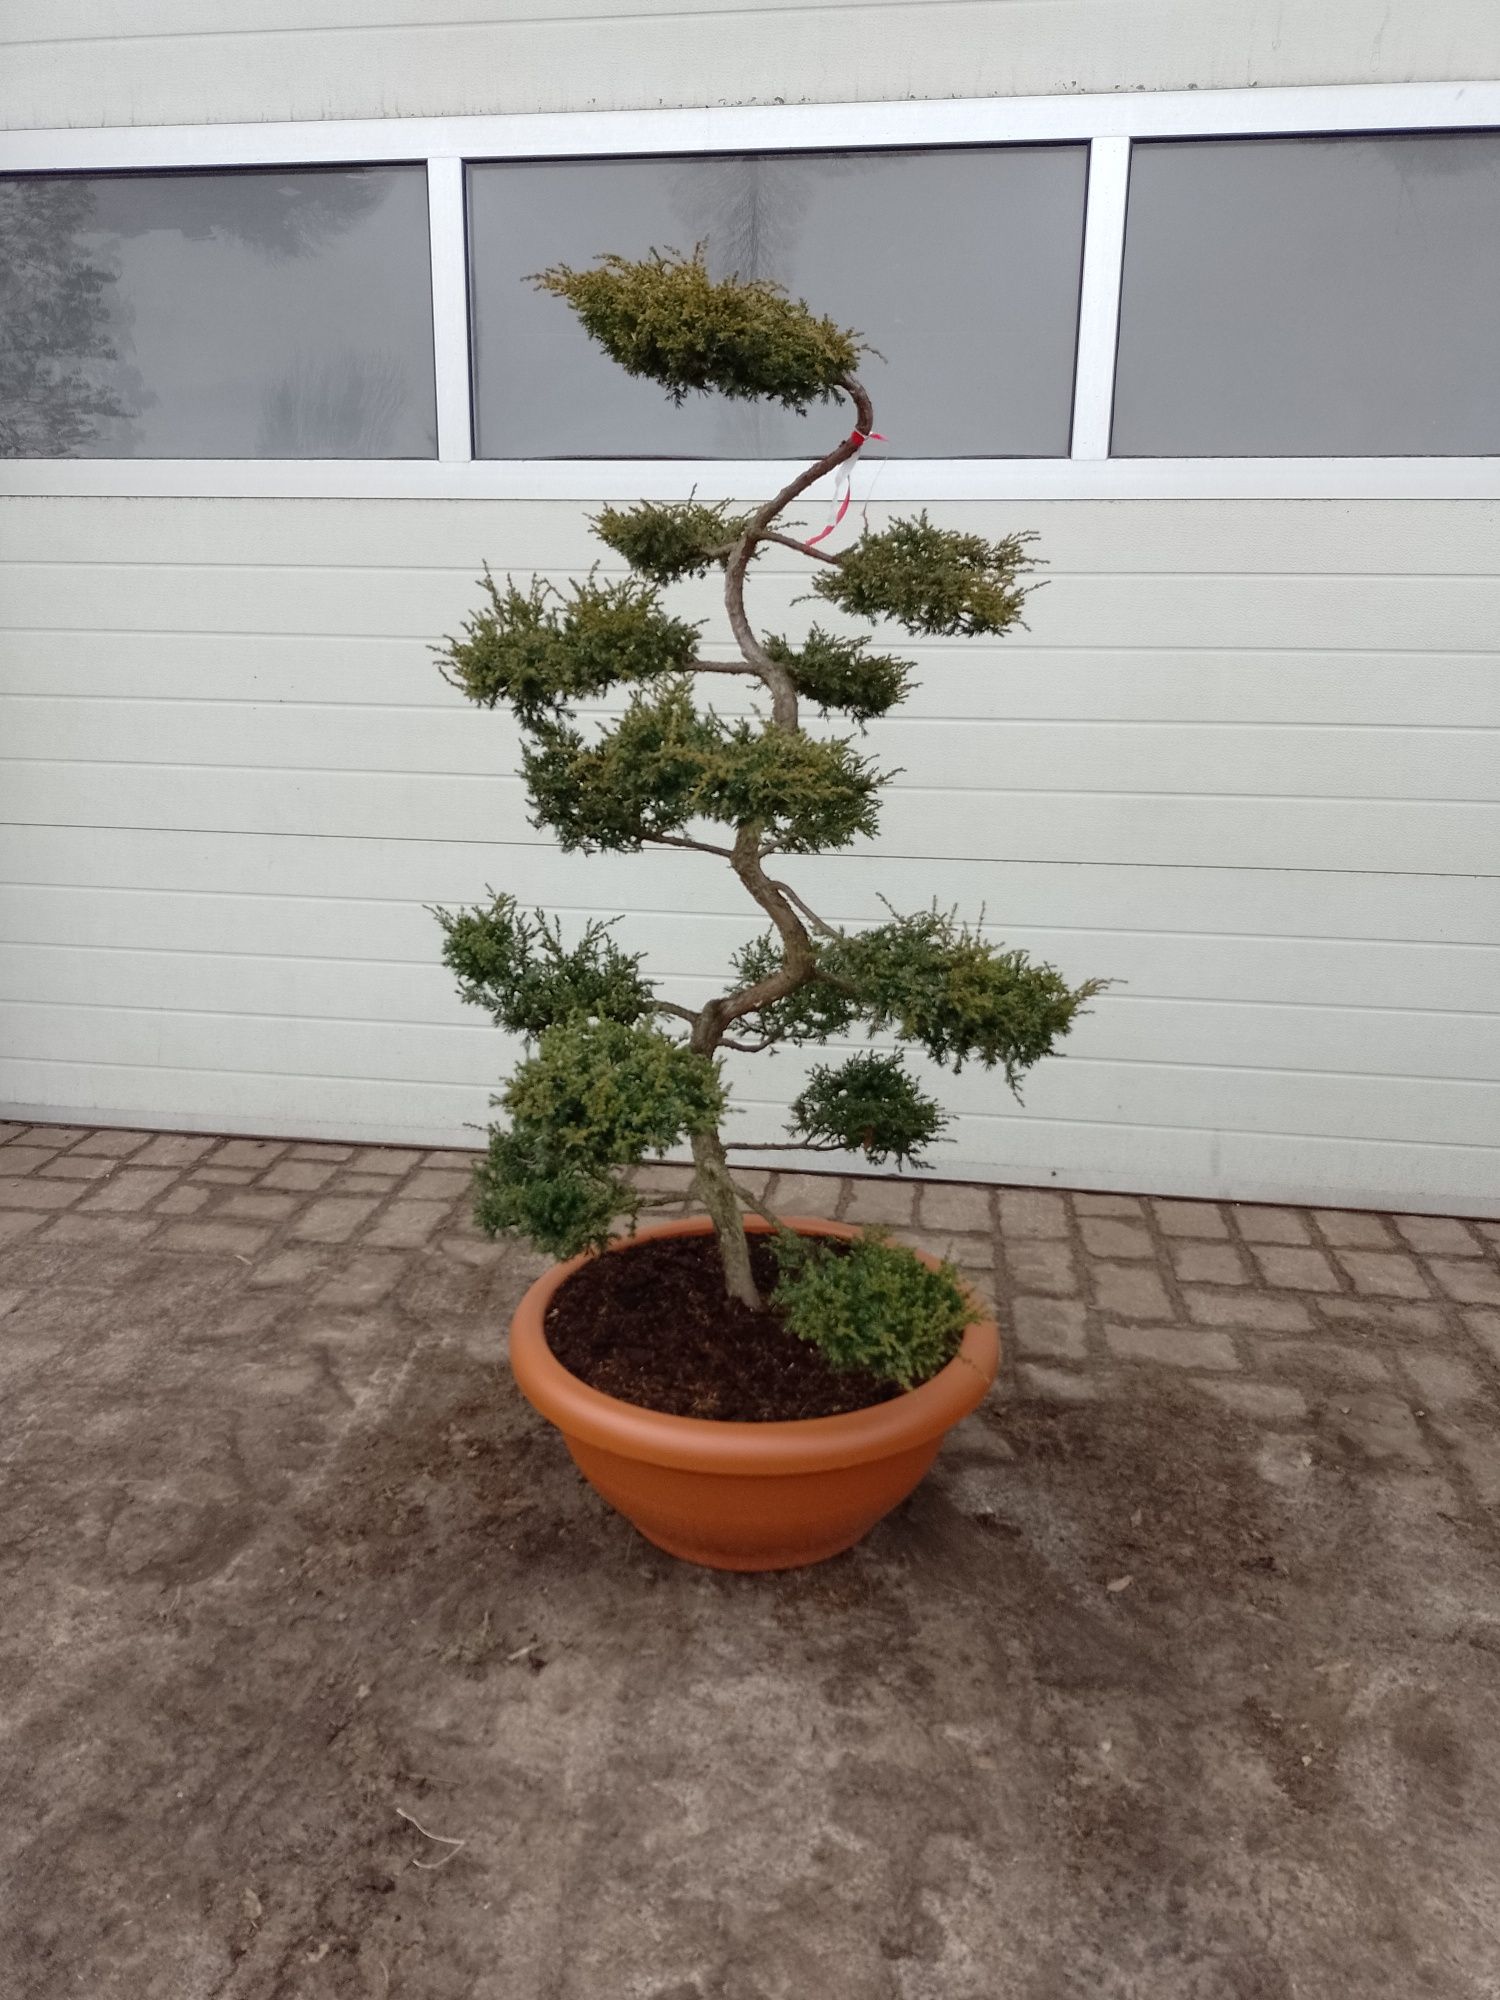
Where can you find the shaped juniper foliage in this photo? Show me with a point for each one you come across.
(670, 540)
(874, 1307)
(870, 1104)
(664, 317)
(595, 1097)
(516, 966)
(619, 753)
(542, 650)
(932, 580)
(935, 982)
(835, 672)
(663, 765)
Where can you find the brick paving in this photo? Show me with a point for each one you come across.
(1381, 1331)
(1384, 1329)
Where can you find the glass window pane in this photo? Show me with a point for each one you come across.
(962, 267)
(1311, 297)
(230, 315)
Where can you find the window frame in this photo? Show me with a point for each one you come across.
(1067, 267)
(410, 268)
(1108, 123)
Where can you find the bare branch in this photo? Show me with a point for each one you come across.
(723, 667)
(687, 1014)
(772, 672)
(782, 905)
(747, 1048)
(757, 1206)
(693, 846)
(797, 903)
(791, 542)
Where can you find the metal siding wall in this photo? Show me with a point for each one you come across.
(111, 62)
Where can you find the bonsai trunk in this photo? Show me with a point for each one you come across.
(718, 1197)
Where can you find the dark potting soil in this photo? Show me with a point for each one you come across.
(653, 1325)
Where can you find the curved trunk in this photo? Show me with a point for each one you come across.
(798, 963)
(714, 1188)
(719, 1198)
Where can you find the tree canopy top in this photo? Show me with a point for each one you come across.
(614, 1072)
(664, 317)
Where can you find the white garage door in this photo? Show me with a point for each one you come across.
(1243, 761)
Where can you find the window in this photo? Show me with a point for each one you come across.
(1220, 293)
(963, 264)
(281, 314)
(1311, 297)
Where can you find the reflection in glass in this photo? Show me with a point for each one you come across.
(962, 266)
(263, 314)
(1325, 297)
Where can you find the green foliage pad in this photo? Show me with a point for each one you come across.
(870, 1104)
(931, 580)
(665, 764)
(595, 1098)
(664, 317)
(671, 540)
(936, 982)
(929, 980)
(563, 1207)
(608, 1092)
(836, 672)
(515, 964)
(540, 650)
(874, 1306)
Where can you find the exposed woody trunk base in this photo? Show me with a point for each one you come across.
(714, 1190)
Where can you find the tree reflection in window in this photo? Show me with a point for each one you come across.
(57, 350)
(253, 314)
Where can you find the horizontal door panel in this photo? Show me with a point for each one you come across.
(1174, 899)
(1211, 1165)
(1309, 613)
(1129, 1027)
(1011, 680)
(1241, 759)
(307, 935)
(1159, 537)
(1403, 836)
(1145, 1094)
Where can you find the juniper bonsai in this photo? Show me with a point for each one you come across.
(613, 1074)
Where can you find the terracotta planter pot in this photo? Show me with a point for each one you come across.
(746, 1496)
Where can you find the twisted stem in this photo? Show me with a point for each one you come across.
(785, 908)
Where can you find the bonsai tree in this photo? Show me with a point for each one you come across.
(613, 1074)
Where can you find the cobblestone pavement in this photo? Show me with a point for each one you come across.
(1383, 1329)
(1386, 1329)
(1179, 1678)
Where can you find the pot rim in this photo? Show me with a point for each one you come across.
(705, 1444)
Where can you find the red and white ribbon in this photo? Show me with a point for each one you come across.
(838, 505)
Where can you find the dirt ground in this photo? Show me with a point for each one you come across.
(322, 1675)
